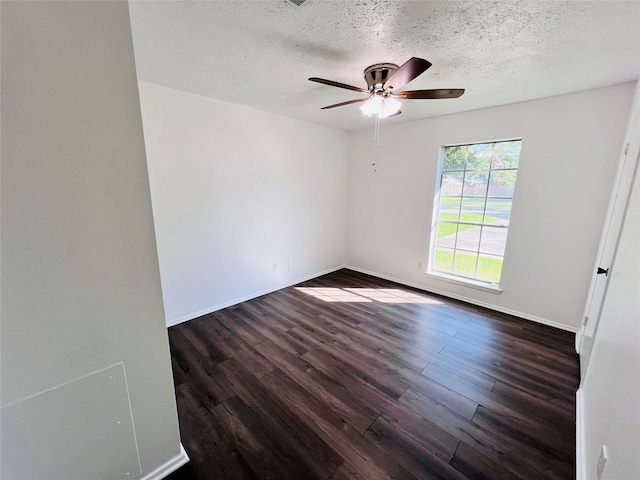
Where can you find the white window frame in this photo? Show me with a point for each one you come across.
(493, 287)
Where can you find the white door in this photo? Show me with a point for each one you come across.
(609, 242)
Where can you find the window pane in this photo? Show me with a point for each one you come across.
(502, 183)
(443, 260)
(464, 263)
(475, 183)
(498, 211)
(479, 156)
(449, 209)
(454, 158)
(471, 210)
(493, 240)
(489, 268)
(474, 209)
(468, 238)
(446, 235)
(451, 184)
(506, 155)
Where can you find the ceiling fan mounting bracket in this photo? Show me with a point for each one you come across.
(376, 75)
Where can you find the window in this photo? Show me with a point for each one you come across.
(472, 210)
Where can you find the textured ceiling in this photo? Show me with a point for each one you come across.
(260, 53)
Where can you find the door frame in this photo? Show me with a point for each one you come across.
(627, 165)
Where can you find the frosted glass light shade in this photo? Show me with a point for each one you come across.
(372, 106)
(389, 107)
(382, 106)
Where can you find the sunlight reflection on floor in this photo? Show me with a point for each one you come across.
(363, 295)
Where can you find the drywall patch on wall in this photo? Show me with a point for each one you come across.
(45, 435)
(80, 280)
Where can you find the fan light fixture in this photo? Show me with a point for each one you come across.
(380, 105)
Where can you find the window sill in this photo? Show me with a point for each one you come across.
(466, 282)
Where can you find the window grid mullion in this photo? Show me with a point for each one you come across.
(465, 266)
(475, 272)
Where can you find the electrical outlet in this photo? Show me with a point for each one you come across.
(420, 266)
(276, 266)
(602, 461)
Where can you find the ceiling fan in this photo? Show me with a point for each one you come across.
(383, 81)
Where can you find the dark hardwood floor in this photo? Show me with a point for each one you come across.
(347, 376)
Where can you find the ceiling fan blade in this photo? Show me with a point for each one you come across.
(408, 71)
(427, 94)
(338, 84)
(345, 103)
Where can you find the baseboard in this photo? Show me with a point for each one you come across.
(168, 467)
(580, 456)
(462, 298)
(191, 316)
(579, 334)
(436, 291)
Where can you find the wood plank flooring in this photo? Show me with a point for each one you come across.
(347, 376)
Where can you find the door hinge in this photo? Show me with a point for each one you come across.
(626, 149)
(601, 270)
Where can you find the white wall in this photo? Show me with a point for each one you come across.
(610, 391)
(569, 155)
(80, 279)
(235, 190)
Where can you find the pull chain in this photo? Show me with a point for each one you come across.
(376, 137)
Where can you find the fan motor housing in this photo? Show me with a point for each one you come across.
(378, 74)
